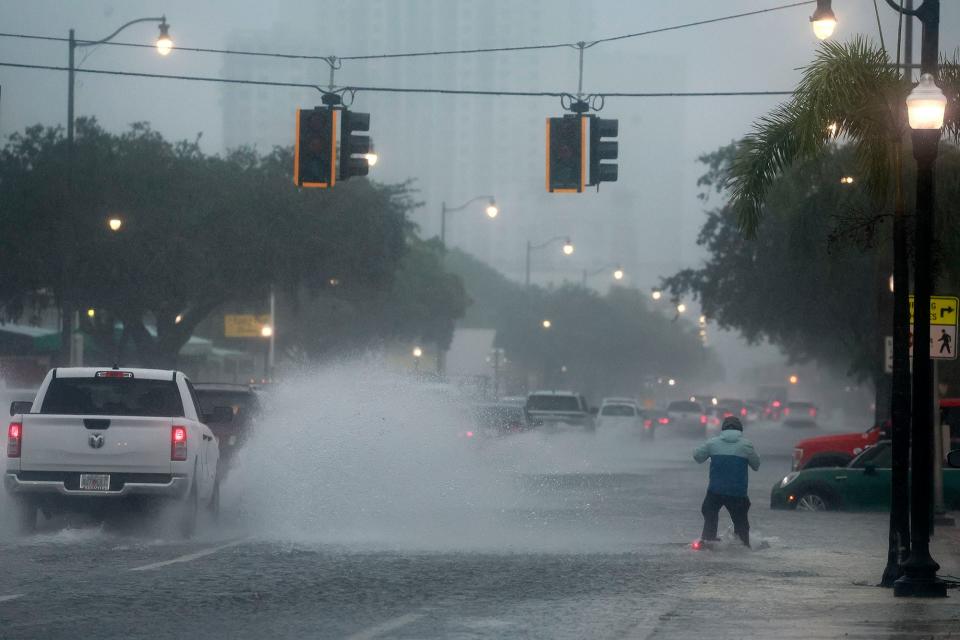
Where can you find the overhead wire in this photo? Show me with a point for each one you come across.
(376, 89)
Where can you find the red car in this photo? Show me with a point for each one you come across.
(836, 450)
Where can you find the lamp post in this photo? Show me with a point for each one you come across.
(491, 210)
(617, 272)
(164, 46)
(567, 251)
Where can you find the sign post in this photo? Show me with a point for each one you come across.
(943, 327)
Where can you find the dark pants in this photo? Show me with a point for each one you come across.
(737, 506)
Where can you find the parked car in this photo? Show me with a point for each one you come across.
(558, 409)
(622, 414)
(94, 437)
(864, 484)
(800, 414)
(245, 405)
(687, 417)
(836, 450)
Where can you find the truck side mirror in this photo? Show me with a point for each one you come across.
(953, 458)
(20, 406)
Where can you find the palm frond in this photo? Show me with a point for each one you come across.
(849, 89)
(949, 82)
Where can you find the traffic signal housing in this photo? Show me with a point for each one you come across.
(315, 150)
(352, 144)
(601, 149)
(566, 154)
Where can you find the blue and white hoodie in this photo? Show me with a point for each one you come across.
(729, 455)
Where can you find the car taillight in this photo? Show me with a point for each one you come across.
(178, 443)
(703, 419)
(663, 420)
(813, 413)
(647, 423)
(776, 404)
(14, 439)
(743, 412)
(786, 411)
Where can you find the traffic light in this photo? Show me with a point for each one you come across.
(566, 154)
(315, 153)
(352, 144)
(601, 149)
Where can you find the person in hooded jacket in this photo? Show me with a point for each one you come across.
(730, 454)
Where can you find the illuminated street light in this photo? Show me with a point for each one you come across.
(567, 247)
(846, 180)
(115, 224)
(703, 320)
(492, 210)
(794, 379)
(823, 20)
(618, 274)
(91, 313)
(671, 382)
(926, 104)
(657, 294)
(372, 158)
(891, 283)
(266, 331)
(179, 319)
(417, 352)
(164, 42)
(832, 128)
(547, 324)
(681, 308)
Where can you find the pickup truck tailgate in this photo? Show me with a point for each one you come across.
(72, 443)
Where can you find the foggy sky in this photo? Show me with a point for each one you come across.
(756, 53)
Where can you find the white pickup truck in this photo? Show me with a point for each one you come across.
(94, 438)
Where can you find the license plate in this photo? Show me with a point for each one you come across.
(95, 482)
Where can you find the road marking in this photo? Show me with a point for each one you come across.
(12, 597)
(189, 557)
(385, 627)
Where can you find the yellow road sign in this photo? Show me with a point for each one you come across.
(943, 310)
(244, 325)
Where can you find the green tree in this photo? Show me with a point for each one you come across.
(198, 231)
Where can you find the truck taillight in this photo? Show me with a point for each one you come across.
(14, 439)
(703, 418)
(178, 443)
(743, 412)
(813, 413)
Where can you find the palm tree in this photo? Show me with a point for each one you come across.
(851, 92)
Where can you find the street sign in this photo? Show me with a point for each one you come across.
(943, 342)
(244, 325)
(943, 327)
(943, 310)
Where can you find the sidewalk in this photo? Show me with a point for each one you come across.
(787, 593)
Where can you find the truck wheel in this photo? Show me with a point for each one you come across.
(188, 514)
(26, 516)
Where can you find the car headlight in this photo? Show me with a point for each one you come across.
(787, 479)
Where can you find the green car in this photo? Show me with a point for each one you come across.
(863, 485)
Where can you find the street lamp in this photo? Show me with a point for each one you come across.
(617, 272)
(794, 379)
(164, 45)
(823, 20)
(266, 331)
(417, 352)
(567, 250)
(926, 105)
(681, 308)
(546, 324)
(657, 294)
(115, 223)
(491, 210)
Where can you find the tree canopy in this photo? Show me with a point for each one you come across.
(198, 231)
